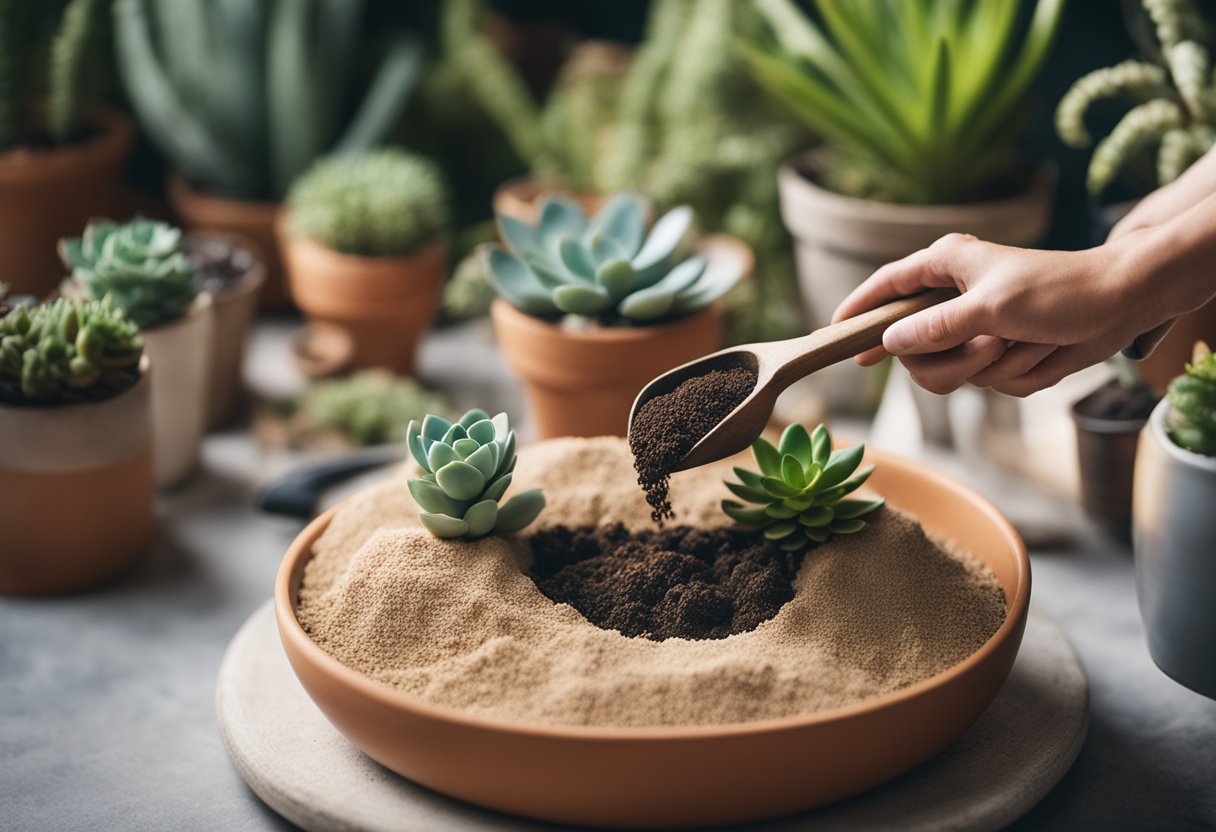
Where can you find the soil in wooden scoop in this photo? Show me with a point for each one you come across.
(666, 428)
(678, 582)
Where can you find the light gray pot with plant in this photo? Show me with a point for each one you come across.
(1174, 528)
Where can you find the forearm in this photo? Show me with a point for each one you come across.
(1169, 201)
(1172, 267)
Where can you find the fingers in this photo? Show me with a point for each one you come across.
(944, 372)
(940, 327)
(1018, 360)
(1061, 363)
(871, 357)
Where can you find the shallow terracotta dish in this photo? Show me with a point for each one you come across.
(666, 777)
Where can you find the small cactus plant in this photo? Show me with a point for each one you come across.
(800, 489)
(368, 408)
(139, 265)
(1192, 404)
(609, 268)
(467, 469)
(384, 203)
(66, 352)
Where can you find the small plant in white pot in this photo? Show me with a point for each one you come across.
(75, 446)
(916, 105)
(1175, 490)
(141, 268)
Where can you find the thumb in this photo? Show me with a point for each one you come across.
(941, 327)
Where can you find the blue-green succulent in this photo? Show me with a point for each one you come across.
(799, 492)
(467, 468)
(610, 267)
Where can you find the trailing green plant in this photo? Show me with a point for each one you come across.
(1191, 420)
(915, 101)
(1173, 111)
(467, 469)
(139, 265)
(609, 268)
(46, 49)
(243, 96)
(67, 351)
(800, 494)
(370, 407)
(383, 203)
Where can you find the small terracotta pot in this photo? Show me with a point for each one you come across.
(583, 383)
(385, 303)
(252, 221)
(48, 195)
(78, 492)
(181, 354)
(1170, 357)
(520, 198)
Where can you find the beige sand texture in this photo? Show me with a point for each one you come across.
(459, 624)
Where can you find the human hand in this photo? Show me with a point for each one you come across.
(1025, 319)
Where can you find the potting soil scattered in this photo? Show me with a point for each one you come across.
(666, 428)
(463, 625)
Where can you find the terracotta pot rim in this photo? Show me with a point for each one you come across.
(502, 310)
(422, 254)
(116, 139)
(247, 211)
(247, 283)
(529, 186)
(1016, 610)
(1156, 426)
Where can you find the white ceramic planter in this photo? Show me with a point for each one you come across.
(181, 356)
(840, 241)
(1174, 530)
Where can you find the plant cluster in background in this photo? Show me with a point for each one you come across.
(925, 117)
(1192, 398)
(467, 469)
(243, 96)
(66, 352)
(1173, 113)
(611, 268)
(799, 493)
(384, 203)
(138, 265)
(371, 407)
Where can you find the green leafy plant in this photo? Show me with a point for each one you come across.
(139, 265)
(916, 101)
(46, 49)
(799, 493)
(243, 96)
(383, 203)
(1192, 401)
(468, 466)
(1174, 101)
(610, 268)
(368, 408)
(67, 351)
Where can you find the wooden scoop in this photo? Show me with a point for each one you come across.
(777, 365)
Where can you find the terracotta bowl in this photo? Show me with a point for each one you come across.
(665, 777)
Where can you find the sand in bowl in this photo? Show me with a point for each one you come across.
(463, 624)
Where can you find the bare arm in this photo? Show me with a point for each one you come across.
(1168, 201)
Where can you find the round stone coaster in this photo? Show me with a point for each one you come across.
(306, 771)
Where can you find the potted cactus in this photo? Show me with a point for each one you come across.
(364, 239)
(1171, 122)
(75, 443)
(141, 268)
(1174, 527)
(590, 309)
(919, 140)
(242, 115)
(61, 154)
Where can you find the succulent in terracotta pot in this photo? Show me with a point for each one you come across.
(75, 438)
(365, 243)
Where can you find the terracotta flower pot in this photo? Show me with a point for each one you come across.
(49, 194)
(385, 303)
(78, 491)
(520, 198)
(251, 221)
(582, 383)
(841, 240)
(181, 356)
(1170, 357)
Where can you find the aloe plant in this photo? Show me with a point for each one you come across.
(65, 352)
(800, 494)
(609, 268)
(467, 469)
(1191, 420)
(243, 96)
(139, 265)
(915, 99)
(1173, 112)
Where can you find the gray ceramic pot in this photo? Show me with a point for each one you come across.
(1174, 529)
